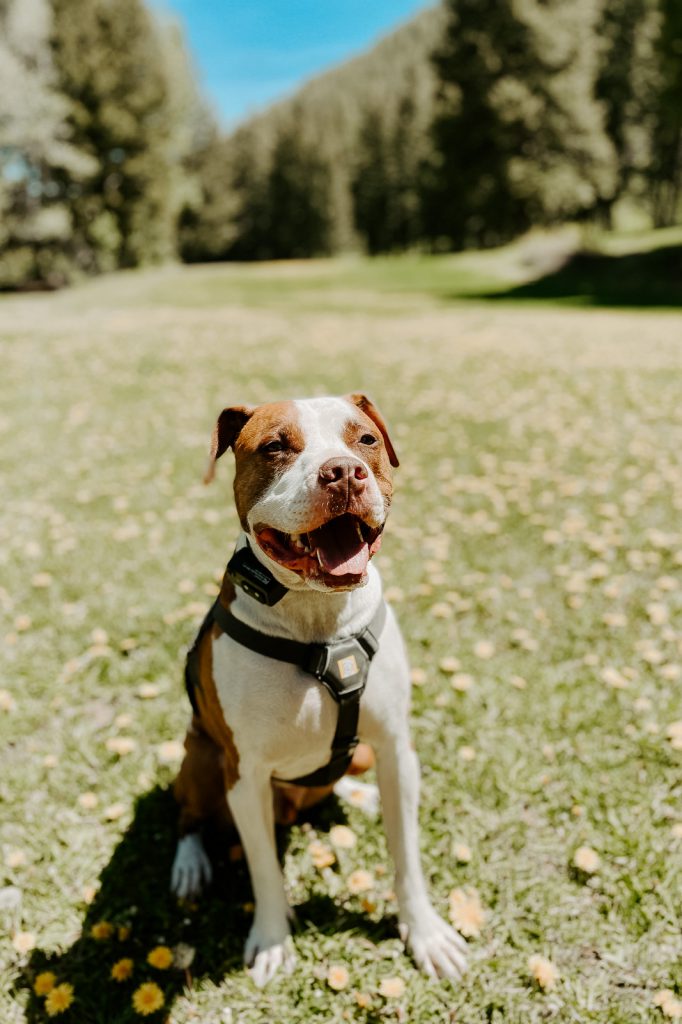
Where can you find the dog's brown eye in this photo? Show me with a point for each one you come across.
(368, 439)
(272, 447)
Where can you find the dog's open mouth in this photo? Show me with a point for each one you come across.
(339, 551)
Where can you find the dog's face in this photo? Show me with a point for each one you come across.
(313, 484)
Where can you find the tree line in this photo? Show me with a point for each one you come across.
(471, 123)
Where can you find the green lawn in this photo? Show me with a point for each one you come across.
(535, 538)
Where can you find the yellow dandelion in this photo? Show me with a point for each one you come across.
(586, 859)
(59, 999)
(337, 977)
(360, 881)
(102, 930)
(466, 912)
(147, 999)
(123, 932)
(543, 971)
(363, 999)
(122, 969)
(392, 988)
(160, 957)
(44, 983)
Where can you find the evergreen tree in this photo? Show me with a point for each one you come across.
(519, 138)
(110, 67)
(35, 222)
(298, 196)
(370, 186)
(626, 85)
(386, 181)
(207, 227)
(666, 164)
(247, 179)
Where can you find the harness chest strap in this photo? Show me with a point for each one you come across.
(342, 668)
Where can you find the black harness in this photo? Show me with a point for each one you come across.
(342, 667)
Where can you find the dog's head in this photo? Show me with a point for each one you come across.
(313, 485)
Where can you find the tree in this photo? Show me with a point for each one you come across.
(35, 221)
(298, 198)
(666, 164)
(518, 135)
(208, 222)
(626, 85)
(110, 67)
(386, 181)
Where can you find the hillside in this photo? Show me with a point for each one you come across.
(394, 83)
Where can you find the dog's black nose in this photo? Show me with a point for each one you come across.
(343, 474)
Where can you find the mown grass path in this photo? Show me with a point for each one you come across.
(533, 556)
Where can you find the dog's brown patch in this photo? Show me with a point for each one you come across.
(381, 456)
(210, 767)
(256, 469)
(210, 711)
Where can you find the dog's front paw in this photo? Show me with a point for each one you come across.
(437, 948)
(191, 867)
(268, 949)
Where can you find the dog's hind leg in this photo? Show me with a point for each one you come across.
(200, 791)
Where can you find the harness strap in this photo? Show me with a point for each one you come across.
(342, 667)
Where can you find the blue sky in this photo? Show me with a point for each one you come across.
(251, 52)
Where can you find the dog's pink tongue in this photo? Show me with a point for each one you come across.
(340, 550)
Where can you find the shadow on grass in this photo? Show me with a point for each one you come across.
(134, 894)
(643, 279)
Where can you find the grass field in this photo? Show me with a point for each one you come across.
(533, 556)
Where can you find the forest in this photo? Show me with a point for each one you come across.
(469, 125)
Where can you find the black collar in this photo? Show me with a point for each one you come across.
(254, 578)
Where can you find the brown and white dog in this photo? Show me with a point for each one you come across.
(313, 488)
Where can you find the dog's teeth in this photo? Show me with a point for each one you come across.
(319, 557)
(359, 529)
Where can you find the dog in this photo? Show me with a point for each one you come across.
(299, 673)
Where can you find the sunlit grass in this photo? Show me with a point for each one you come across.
(533, 556)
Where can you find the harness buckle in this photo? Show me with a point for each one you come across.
(342, 666)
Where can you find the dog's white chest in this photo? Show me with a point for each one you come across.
(283, 717)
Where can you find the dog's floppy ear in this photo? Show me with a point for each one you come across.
(368, 407)
(225, 433)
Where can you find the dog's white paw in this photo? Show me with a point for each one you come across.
(191, 867)
(363, 795)
(437, 948)
(269, 949)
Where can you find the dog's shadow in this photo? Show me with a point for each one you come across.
(133, 912)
